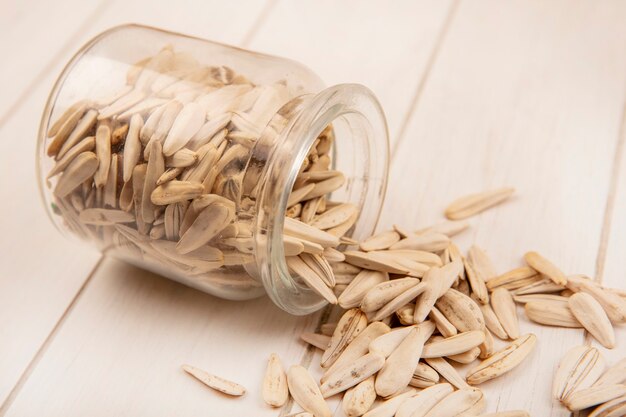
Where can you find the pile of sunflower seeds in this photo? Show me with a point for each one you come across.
(416, 309)
(162, 172)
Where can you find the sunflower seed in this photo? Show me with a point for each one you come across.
(461, 311)
(357, 347)
(400, 300)
(424, 401)
(579, 368)
(275, 390)
(545, 267)
(613, 304)
(387, 343)
(424, 376)
(545, 285)
(182, 158)
(306, 393)
(419, 256)
(482, 264)
(304, 231)
(464, 402)
(593, 318)
(132, 147)
(103, 152)
(359, 399)
(219, 384)
(389, 407)
(352, 373)
(380, 241)
(492, 322)
(211, 220)
(82, 168)
(514, 279)
(595, 395)
(64, 125)
(350, 325)
(105, 217)
(476, 282)
(616, 374)
(549, 298)
(85, 145)
(320, 341)
(503, 361)
(453, 345)
(613, 408)
(311, 277)
(506, 312)
(446, 328)
(156, 167)
(187, 123)
(327, 186)
(448, 227)
(320, 266)
(551, 314)
(473, 204)
(487, 347)
(384, 292)
(397, 371)
(83, 127)
(334, 217)
(430, 242)
(175, 191)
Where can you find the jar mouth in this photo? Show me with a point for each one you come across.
(360, 151)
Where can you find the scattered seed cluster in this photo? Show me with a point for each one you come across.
(415, 308)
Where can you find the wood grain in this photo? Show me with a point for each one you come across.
(519, 96)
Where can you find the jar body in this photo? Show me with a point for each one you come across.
(179, 155)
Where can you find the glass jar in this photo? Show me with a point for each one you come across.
(180, 155)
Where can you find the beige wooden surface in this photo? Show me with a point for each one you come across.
(478, 94)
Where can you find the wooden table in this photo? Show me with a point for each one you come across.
(478, 94)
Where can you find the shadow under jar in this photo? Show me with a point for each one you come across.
(212, 165)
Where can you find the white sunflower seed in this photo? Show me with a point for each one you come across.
(397, 371)
(545, 267)
(219, 384)
(352, 323)
(306, 393)
(503, 361)
(359, 399)
(472, 204)
(579, 368)
(593, 318)
(424, 401)
(506, 312)
(275, 390)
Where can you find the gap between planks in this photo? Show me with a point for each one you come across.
(4, 407)
(432, 58)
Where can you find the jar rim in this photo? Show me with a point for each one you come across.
(352, 101)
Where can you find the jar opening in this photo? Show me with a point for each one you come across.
(359, 151)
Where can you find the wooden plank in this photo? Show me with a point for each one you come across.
(45, 270)
(147, 326)
(522, 94)
(344, 42)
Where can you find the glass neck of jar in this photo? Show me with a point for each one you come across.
(360, 151)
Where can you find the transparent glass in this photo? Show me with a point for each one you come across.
(232, 132)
